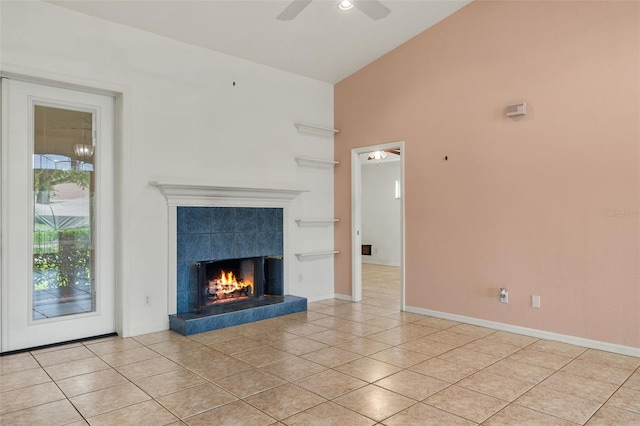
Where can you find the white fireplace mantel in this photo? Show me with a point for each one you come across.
(181, 194)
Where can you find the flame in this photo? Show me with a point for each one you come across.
(228, 286)
(227, 278)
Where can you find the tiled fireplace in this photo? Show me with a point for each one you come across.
(208, 234)
(220, 235)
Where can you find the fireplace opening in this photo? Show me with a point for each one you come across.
(229, 281)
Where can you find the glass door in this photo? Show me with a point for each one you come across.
(63, 190)
(57, 215)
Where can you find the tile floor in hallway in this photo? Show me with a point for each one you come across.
(340, 363)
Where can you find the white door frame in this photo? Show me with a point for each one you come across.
(123, 116)
(102, 320)
(356, 218)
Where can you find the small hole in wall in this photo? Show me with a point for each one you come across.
(446, 157)
(234, 84)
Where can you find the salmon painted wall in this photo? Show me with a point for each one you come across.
(546, 204)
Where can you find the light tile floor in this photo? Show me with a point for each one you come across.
(340, 363)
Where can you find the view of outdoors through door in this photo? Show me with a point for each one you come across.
(63, 186)
(57, 219)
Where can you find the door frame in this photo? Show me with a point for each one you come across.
(122, 137)
(120, 128)
(356, 218)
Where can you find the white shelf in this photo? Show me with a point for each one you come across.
(317, 254)
(317, 220)
(316, 161)
(312, 128)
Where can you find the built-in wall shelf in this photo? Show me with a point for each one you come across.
(315, 162)
(312, 128)
(320, 221)
(311, 254)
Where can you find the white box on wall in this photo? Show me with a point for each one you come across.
(517, 109)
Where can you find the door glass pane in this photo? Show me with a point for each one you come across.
(63, 194)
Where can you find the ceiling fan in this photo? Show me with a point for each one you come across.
(372, 8)
(379, 155)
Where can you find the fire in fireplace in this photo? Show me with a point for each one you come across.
(230, 280)
(227, 281)
(227, 287)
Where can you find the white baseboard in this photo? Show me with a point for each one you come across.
(318, 298)
(148, 329)
(541, 334)
(346, 297)
(380, 262)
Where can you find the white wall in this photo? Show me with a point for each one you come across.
(381, 212)
(182, 119)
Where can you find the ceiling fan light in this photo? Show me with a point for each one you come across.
(345, 5)
(377, 155)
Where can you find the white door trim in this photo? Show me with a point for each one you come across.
(123, 134)
(356, 218)
(102, 320)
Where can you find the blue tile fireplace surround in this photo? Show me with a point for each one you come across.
(217, 233)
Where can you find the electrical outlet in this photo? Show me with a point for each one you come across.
(147, 300)
(535, 301)
(504, 295)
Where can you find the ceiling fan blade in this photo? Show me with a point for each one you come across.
(372, 8)
(393, 151)
(293, 9)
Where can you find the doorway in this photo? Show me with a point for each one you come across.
(359, 157)
(57, 215)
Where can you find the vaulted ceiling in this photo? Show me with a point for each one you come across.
(322, 42)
